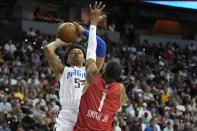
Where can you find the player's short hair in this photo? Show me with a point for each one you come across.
(113, 69)
(69, 48)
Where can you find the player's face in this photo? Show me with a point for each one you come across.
(76, 57)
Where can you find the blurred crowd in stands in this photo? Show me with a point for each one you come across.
(160, 80)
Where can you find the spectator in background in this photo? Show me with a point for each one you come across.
(36, 59)
(4, 126)
(187, 127)
(43, 80)
(51, 16)
(130, 108)
(31, 32)
(192, 47)
(37, 110)
(18, 93)
(1, 55)
(165, 96)
(40, 99)
(37, 15)
(153, 107)
(17, 112)
(145, 118)
(10, 48)
(33, 82)
(4, 104)
(144, 113)
(143, 126)
(51, 111)
(133, 125)
(169, 127)
(151, 126)
(158, 127)
(148, 96)
(116, 126)
(20, 128)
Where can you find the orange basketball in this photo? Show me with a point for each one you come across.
(67, 32)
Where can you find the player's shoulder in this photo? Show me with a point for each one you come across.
(68, 69)
(122, 87)
(65, 68)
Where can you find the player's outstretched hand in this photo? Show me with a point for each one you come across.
(96, 13)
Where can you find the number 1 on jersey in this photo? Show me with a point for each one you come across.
(102, 102)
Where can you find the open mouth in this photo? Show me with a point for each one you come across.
(76, 55)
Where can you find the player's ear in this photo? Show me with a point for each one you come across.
(84, 61)
(68, 61)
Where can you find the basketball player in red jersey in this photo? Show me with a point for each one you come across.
(102, 95)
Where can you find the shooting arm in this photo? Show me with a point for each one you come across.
(53, 60)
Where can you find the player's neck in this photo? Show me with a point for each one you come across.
(107, 79)
(77, 65)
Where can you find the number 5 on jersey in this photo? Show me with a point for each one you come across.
(77, 83)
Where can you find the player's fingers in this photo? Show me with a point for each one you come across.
(67, 43)
(90, 6)
(99, 6)
(102, 8)
(82, 82)
(62, 42)
(76, 24)
(104, 16)
(95, 5)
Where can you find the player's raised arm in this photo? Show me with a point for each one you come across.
(95, 17)
(100, 49)
(53, 60)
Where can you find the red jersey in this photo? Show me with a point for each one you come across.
(98, 106)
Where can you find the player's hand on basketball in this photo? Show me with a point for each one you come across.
(62, 42)
(82, 82)
(79, 28)
(96, 13)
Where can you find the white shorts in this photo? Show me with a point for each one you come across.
(66, 120)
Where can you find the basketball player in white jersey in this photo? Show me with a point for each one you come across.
(69, 77)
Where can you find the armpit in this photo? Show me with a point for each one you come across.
(85, 87)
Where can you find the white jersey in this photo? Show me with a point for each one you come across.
(70, 95)
(70, 88)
